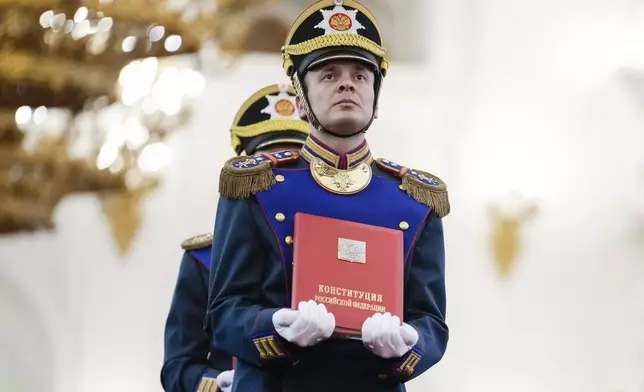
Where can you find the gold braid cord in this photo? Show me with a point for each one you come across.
(325, 41)
(260, 128)
(263, 127)
(330, 40)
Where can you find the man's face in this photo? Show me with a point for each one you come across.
(341, 94)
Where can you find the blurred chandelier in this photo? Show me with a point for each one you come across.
(90, 93)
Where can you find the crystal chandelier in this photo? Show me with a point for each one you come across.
(89, 93)
(92, 90)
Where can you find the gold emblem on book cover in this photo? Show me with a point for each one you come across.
(338, 181)
(352, 251)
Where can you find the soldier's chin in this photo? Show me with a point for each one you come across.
(346, 125)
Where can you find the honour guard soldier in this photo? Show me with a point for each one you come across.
(266, 121)
(336, 60)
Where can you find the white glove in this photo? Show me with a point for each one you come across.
(225, 380)
(306, 326)
(384, 335)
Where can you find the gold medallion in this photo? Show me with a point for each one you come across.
(340, 22)
(284, 107)
(338, 181)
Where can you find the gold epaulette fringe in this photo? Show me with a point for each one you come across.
(235, 183)
(197, 242)
(435, 197)
(242, 177)
(424, 187)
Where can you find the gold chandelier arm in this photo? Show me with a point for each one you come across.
(57, 73)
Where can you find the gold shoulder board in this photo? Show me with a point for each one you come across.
(197, 242)
(242, 177)
(424, 187)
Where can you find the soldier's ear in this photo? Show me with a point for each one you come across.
(300, 108)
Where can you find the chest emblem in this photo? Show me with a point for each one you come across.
(338, 181)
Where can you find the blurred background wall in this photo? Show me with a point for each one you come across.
(520, 106)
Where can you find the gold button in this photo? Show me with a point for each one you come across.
(279, 217)
(289, 240)
(279, 178)
(401, 187)
(403, 225)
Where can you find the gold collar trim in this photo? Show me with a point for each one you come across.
(315, 149)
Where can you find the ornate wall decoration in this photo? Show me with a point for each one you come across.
(507, 218)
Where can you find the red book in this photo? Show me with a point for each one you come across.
(354, 269)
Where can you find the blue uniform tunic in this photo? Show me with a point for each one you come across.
(254, 256)
(189, 362)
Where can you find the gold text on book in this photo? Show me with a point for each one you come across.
(349, 293)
